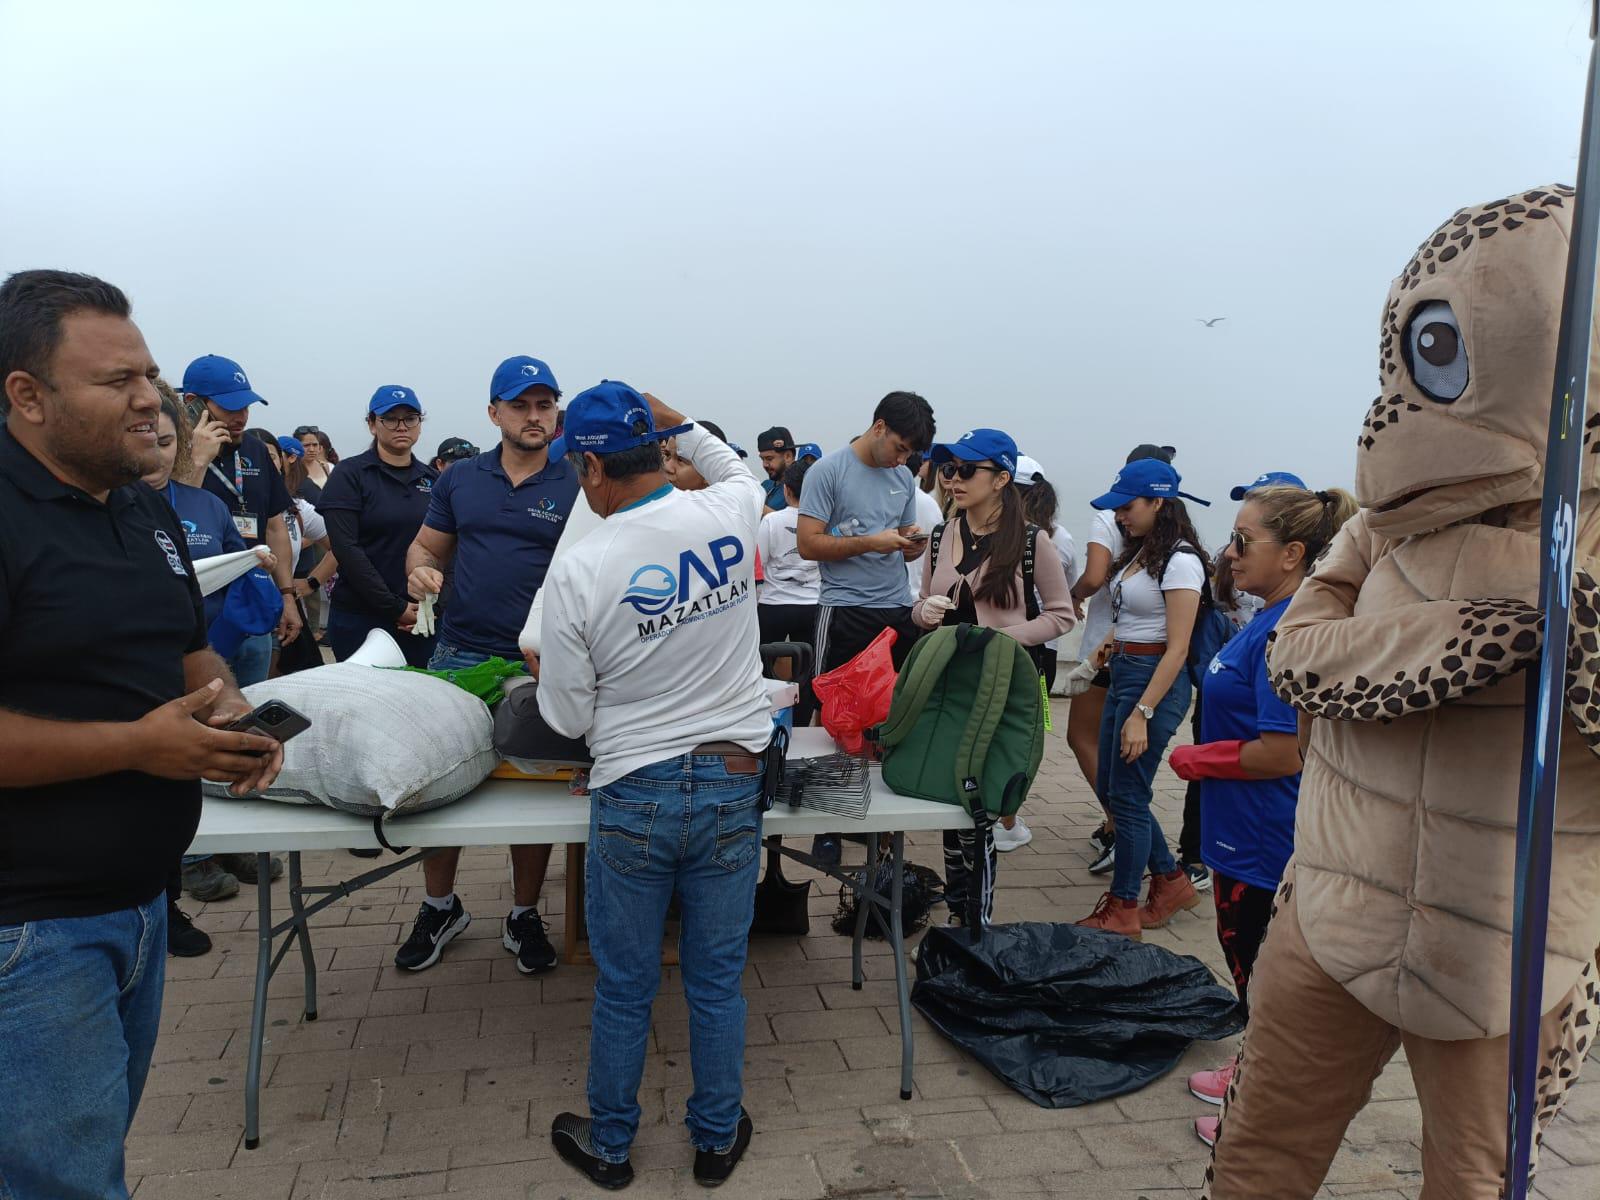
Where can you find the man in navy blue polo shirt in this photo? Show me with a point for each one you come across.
(245, 480)
(495, 520)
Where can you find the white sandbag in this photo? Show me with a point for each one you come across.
(381, 742)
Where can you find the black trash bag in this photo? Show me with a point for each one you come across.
(920, 890)
(1065, 1015)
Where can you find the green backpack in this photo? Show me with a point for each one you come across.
(966, 725)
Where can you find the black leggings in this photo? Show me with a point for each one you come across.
(1243, 911)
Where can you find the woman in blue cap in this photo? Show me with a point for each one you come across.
(374, 505)
(973, 574)
(1156, 586)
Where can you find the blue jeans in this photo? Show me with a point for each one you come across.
(80, 1005)
(453, 658)
(1126, 788)
(253, 661)
(683, 825)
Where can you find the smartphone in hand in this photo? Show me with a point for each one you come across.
(273, 719)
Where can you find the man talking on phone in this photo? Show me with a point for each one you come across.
(111, 708)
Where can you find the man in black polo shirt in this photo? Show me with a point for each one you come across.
(110, 704)
(493, 522)
(244, 479)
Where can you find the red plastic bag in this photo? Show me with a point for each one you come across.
(856, 696)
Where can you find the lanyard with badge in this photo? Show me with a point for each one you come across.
(243, 521)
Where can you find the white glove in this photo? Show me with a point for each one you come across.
(425, 626)
(935, 607)
(1079, 679)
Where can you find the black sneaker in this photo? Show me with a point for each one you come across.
(1198, 875)
(183, 939)
(1101, 838)
(569, 1133)
(527, 938)
(1105, 859)
(826, 849)
(431, 934)
(206, 881)
(243, 867)
(712, 1169)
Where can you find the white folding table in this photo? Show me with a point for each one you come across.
(520, 812)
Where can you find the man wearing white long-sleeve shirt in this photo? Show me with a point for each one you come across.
(649, 650)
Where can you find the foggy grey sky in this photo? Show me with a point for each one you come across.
(773, 213)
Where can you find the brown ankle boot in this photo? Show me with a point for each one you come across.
(1112, 915)
(1168, 895)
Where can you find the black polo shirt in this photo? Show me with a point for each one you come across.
(373, 512)
(98, 606)
(245, 480)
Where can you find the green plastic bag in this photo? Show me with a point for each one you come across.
(483, 680)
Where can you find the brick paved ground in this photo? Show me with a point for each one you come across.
(444, 1082)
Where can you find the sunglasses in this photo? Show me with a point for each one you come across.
(410, 422)
(964, 470)
(1240, 543)
(305, 429)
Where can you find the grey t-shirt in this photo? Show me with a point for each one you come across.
(853, 499)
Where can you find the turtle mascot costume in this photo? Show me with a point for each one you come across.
(1392, 927)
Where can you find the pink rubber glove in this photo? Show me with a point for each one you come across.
(1214, 760)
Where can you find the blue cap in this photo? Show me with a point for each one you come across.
(1148, 477)
(558, 447)
(291, 446)
(1270, 479)
(519, 373)
(980, 445)
(807, 450)
(392, 395)
(601, 420)
(738, 449)
(221, 381)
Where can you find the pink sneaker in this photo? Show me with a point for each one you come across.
(1212, 1086)
(1205, 1128)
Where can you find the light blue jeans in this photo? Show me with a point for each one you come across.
(684, 825)
(80, 1006)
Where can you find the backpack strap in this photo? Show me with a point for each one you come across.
(1207, 599)
(988, 706)
(1029, 596)
(934, 539)
(923, 669)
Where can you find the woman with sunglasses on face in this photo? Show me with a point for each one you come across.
(973, 574)
(1247, 757)
(374, 504)
(1156, 585)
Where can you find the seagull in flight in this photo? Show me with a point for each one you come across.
(1211, 322)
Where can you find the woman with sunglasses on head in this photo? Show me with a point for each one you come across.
(374, 504)
(1156, 585)
(320, 458)
(973, 574)
(1247, 757)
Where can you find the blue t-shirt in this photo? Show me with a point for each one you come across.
(853, 499)
(209, 529)
(505, 537)
(1247, 825)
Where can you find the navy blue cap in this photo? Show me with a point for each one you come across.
(221, 381)
(1148, 477)
(980, 445)
(601, 420)
(392, 395)
(1270, 479)
(291, 446)
(519, 373)
(807, 450)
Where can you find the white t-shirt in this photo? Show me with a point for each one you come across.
(789, 579)
(581, 522)
(1068, 550)
(1143, 613)
(650, 639)
(309, 528)
(1103, 531)
(928, 515)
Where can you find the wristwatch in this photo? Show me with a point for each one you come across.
(1145, 711)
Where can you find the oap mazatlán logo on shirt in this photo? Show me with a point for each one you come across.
(662, 596)
(165, 544)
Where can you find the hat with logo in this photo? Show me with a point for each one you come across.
(611, 417)
(1269, 479)
(455, 449)
(776, 438)
(519, 373)
(1029, 472)
(807, 450)
(1149, 477)
(392, 395)
(980, 445)
(221, 381)
(291, 446)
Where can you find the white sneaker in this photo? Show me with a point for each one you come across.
(1009, 839)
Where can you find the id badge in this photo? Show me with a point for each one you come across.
(246, 525)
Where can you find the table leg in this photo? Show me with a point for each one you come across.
(898, 942)
(863, 911)
(258, 1014)
(302, 931)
